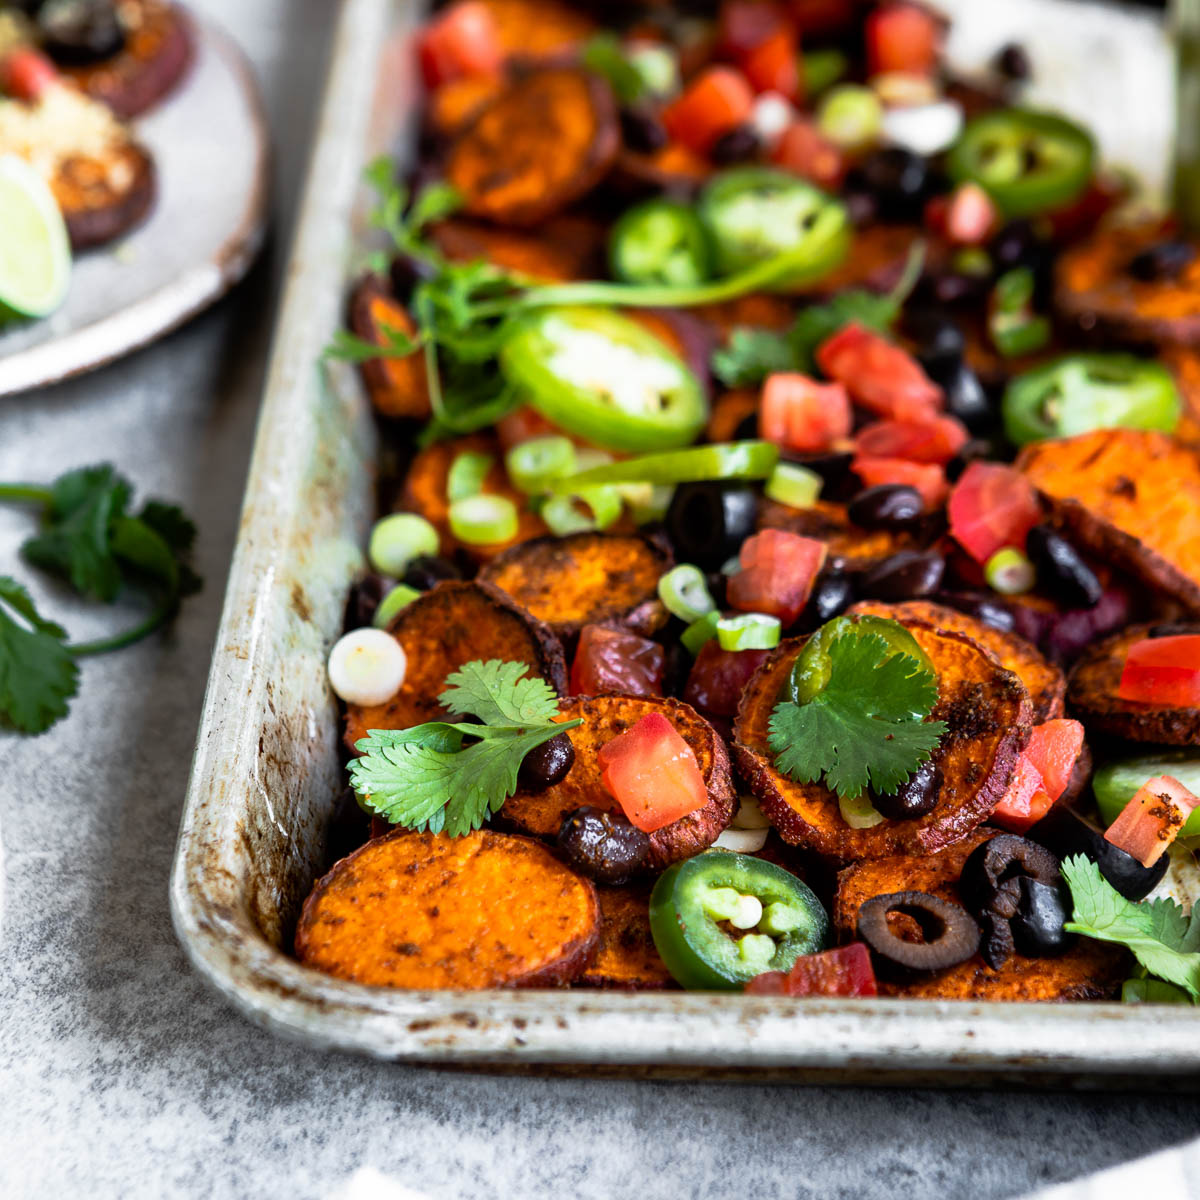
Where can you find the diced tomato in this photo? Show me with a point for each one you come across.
(463, 40)
(800, 414)
(1151, 821)
(1163, 671)
(777, 575)
(745, 24)
(928, 478)
(970, 215)
(1054, 748)
(614, 660)
(844, 971)
(806, 151)
(652, 773)
(902, 37)
(716, 101)
(934, 441)
(718, 678)
(774, 65)
(992, 506)
(26, 73)
(522, 425)
(1025, 802)
(879, 375)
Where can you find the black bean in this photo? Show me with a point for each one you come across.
(832, 594)
(905, 575)
(1061, 569)
(1162, 261)
(738, 145)
(887, 506)
(981, 606)
(914, 798)
(602, 845)
(708, 522)
(77, 33)
(1016, 245)
(976, 448)
(966, 398)
(365, 597)
(642, 131)
(547, 764)
(426, 571)
(899, 180)
(940, 340)
(1012, 61)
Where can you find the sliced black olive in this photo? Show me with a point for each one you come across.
(708, 522)
(736, 146)
(832, 594)
(996, 944)
(1042, 911)
(547, 764)
(887, 506)
(950, 934)
(77, 33)
(994, 865)
(1066, 833)
(913, 798)
(899, 181)
(642, 131)
(1162, 261)
(1012, 61)
(365, 597)
(905, 575)
(602, 845)
(1061, 569)
(428, 570)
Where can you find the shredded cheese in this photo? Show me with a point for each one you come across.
(63, 124)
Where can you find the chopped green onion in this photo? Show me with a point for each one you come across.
(647, 501)
(850, 116)
(699, 633)
(732, 565)
(972, 260)
(483, 519)
(534, 464)
(1009, 572)
(1015, 335)
(399, 538)
(587, 457)
(1014, 290)
(858, 812)
(822, 69)
(793, 485)
(401, 596)
(684, 591)
(753, 631)
(562, 515)
(657, 67)
(696, 464)
(466, 475)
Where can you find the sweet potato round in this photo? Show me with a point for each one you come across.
(1129, 497)
(538, 29)
(989, 717)
(422, 910)
(546, 141)
(626, 956)
(103, 198)
(397, 387)
(604, 717)
(564, 248)
(1088, 971)
(829, 523)
(453, 624)
(1044, 682)
(585, 579)
(1092, 696)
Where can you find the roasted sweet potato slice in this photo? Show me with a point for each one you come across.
(539, 29)
(1094, 288)
(453, 624)
(626, 956)
(1129, 497)
(1088, 971)
(456, 103)
(105, 196)
(1044, 682)
(397, 387)
(604, 717)
(876, 259)
(546, 141)
(425, 492)
(1184, 364)
(757, 310)
(728, 413)
(423, 910)
(563, 248)
(1092, 697)
(829, 523)
(674, 168)
(158, 50)
(585, 579)
(989, 717)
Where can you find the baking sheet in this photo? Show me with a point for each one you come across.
(267, 765)
(210, 145)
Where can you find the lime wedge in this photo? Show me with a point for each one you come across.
(35, 255)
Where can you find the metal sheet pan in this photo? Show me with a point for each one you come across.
(266, 770)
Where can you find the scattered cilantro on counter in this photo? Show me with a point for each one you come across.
(448, 777)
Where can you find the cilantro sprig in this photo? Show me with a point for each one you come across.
(449, 777)
(866, 727)
(1164, 941)
(90, 539)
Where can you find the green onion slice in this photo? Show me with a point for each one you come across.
(399, 538)
(752, 631)
(858, 812)
(466, 475)
(401, 596)
(793, 485)
(533, 465)
(699, 633)
(480, 520)
(684, 591)
(1009, 572)
(562, 515)
(696, 464)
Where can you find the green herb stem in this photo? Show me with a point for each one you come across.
(27, 493)
(159, 617)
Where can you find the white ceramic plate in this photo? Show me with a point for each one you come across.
(210, 145)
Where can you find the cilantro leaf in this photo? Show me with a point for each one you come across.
(37, 673)
(603, 55)
(867, 725)
(752, 355)
(349, 347)
(1161, 938)
(171, 524)
(495, 692)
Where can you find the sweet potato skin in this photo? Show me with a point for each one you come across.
(453, 624)
(1131, 498)
(545, 142)
(585, 579)
(989, 715)
(1092, 697)
(626, 956)
(103, 198)
(1090, 970)
(397, 387)
(425, 493)
(604, 717)
(828, 522)
(422, 910)
(1045, 683)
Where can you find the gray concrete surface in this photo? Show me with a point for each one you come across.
(120, 1076)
